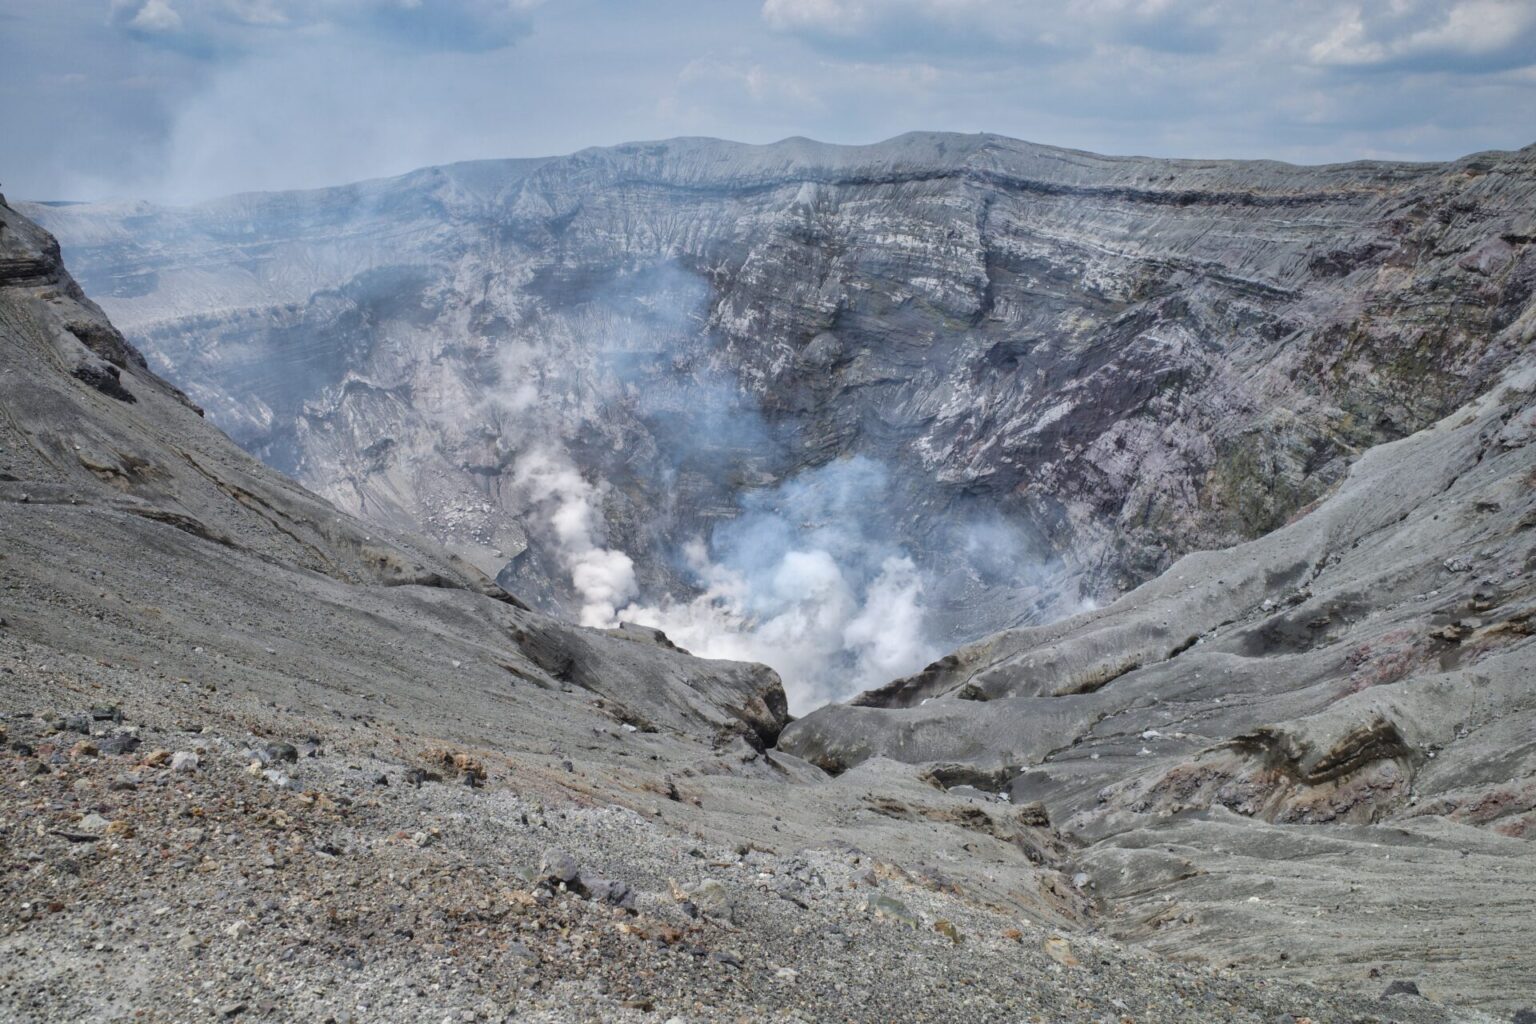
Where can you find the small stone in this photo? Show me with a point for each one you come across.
(184, 761)
(274, 752)
(558, 866)
(119, 743)
(1401, 988)
(606, 890)
(93, 823)
(231, 1009)
(715, 899)
(1527, 1016)
(1058, 949)
(278, 778)
(891, 909)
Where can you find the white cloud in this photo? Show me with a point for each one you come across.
(152, 17)
(268, 13)
(1381, 33)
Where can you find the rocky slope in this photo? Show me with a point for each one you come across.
(263, 761)
(1061, 370)
(1319, 742)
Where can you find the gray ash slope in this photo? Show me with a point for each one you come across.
(160, 591)
(1121, 359)
(1324, 738)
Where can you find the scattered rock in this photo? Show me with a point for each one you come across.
(460, 762)
(279, 778)
(1401, 988)
(118, 743)
(272, 753)
(891, 909)
(125, 782)
(607, 890)
(558, 866)
(1058, 949)
(184, 761)
(416, 776)
(948, 930)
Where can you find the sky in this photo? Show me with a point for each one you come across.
(180, 100)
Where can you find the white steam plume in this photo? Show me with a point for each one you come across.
(603, 578)
(797, 584)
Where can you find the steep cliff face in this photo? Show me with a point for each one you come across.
(1063, 370)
